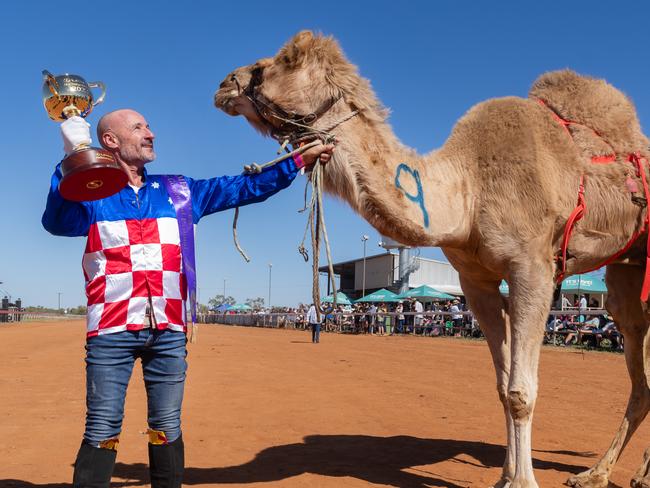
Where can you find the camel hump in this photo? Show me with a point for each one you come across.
(596, 104)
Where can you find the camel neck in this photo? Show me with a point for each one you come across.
(411, 198)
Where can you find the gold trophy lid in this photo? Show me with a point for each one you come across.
(68, 94)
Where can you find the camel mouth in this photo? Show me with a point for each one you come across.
(224, 100)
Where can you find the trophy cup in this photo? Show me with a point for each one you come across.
(89, 173)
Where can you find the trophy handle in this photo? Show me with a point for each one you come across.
(102, 87)
(51, 82)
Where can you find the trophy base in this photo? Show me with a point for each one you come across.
(91, 174)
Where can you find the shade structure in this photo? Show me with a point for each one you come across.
(382, 295)
(425, 292)
(584, 283)
(223, 307)
(240, 307)
(341, 299)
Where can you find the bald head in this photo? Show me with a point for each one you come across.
(126, 133)
(114, 120)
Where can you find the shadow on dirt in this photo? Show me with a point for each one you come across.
(377, 460)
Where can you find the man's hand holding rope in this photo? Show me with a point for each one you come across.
(320, 151)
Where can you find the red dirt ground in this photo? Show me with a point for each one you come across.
(266, 407)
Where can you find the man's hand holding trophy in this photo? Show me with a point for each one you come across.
(89, 173)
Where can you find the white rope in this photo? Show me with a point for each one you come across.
(316, 219)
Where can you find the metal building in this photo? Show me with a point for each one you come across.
(383, 271)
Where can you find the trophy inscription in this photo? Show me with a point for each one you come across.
(89, 173)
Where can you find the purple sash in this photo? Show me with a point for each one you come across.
(179, 192)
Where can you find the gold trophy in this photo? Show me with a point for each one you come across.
(89, 173)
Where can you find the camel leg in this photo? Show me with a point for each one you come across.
(624, 286)
(642, 476)
(491, 311)
(531, 290)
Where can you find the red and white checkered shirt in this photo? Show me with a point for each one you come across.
(125, 263)
(133, 252)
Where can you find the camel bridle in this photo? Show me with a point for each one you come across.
(293, 127)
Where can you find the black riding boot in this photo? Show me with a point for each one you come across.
(93, 467)
(166, 464)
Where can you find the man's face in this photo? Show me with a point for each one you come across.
(135, 139)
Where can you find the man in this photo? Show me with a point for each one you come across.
(418, 308)
(314, 324)
(457, 317)
(566, 303)
(582, 308)
(372, 318)
(136, 287)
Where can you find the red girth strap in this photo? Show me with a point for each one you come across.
(581, 207)
(640, 163)
(575, 216)
(608, 158)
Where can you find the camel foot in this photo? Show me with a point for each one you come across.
(521, 483)
(641, 478)
(589, 479)
(502, 483)
(640, 482)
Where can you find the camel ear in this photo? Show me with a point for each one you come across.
(294, 52)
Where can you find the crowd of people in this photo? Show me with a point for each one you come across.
(581, 324)
(409, 316)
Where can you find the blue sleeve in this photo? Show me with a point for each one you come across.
(63, 217)
(224, 192)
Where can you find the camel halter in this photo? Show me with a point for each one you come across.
(296, 129)
(292, 124)
(640, 164)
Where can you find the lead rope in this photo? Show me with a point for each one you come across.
(255, 168)
(315, 206)
(236, 239)
(316, 224)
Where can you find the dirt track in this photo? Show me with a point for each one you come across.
(268, 408)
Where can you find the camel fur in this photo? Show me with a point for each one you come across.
(609, 120)
(495, 197)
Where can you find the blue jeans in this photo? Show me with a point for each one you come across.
(315, 332)
(109, 363)
(400, 326)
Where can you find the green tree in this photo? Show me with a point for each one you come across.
(78, 310)
(42, 309)
(255, 303)
(219, 300)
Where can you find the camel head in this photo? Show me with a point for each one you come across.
(310, 82)
(232, 97)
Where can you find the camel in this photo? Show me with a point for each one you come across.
(496, 197)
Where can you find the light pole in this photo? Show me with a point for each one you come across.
(364, 239)
(270, 268)
(224, 288)
(59, 293)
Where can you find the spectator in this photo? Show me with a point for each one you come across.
(372, 318)
(582, 308)
(408, 307)
(314, 323)
(399, 310)
(566, 303)
(381, 319)
(456, 317)
(418, 309)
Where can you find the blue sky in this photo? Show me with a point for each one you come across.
(429, 62)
